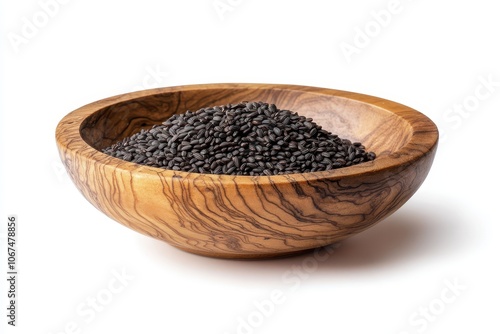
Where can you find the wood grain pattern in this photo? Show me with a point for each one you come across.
(244, 216)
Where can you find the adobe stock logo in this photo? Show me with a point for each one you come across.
(429, 313)
(455, 116)
(222, 7)
(155, 77)
(88, 310)
(292, 279)
(365, 34)
(32, 24)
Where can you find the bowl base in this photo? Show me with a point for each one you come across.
(256, 256)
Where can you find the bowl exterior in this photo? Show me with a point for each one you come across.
(224, 218)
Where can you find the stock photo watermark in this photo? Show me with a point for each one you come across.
(88, 310)
(371, 29)
(31, 25)
(293, 279)
(426, 314)
(485, 88)
(223, 7)
(11, 237)
(59, 171)
(154, 77)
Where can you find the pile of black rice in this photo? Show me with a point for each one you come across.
(247, 138)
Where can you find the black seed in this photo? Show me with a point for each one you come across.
(247, 138)
(236, 162)
(198, 156)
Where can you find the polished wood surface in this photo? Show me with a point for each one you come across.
(244, 216)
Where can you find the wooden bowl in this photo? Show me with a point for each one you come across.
(245, 216)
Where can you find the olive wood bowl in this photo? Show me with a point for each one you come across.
(249, 216)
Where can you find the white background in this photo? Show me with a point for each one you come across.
(394, 278)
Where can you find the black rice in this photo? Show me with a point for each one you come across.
(247, 138)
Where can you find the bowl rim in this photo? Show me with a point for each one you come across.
(423, 140)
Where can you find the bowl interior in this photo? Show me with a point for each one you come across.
(381, 131)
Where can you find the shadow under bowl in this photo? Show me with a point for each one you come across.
(245, 216)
